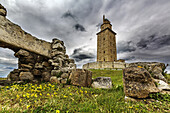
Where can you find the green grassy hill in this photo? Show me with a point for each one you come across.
(116, 75)
(53, 98)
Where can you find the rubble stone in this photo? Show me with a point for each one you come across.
(26, 76)
(138, 82)
(102, 82)
(81, 77)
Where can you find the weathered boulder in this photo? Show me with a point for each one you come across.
(38, 66)
(157, 73)
(45, 64)
(26, 76)
(46, 76)
(22, 53)
(55, 72)
(156, 69)
(36, 72)
(102, 82)
(81, 77)
(162, 85)
(13, 75)
(26, 66)
(64, 81)
(138, 82)
(54, 79)
(55, 41)
(65, 75)
(58, 46)
(3, 11)
(56, 52)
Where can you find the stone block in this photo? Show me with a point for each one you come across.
(3, 11)
(81, 77)
(65, 75)
(55, 72)
(46, 76)
(64, 81)
(36, 72)
(26, 76)
(26, 66)
(38, 66)
(102, 82)
(45, 64)
(138, 82)
(54, 79)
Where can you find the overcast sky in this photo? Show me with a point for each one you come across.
(142, 27)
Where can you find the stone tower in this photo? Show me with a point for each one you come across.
(106, 43)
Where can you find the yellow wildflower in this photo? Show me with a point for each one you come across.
(70, 93)
(95, 95)
(23, 95)
(48, 94)
(28, 106)
(35, 95)
(81, 91)
(57, 111)
(32, 95)
(139, 66)
(17, 96)
(130, 107)
(85, 91)
(65, 96)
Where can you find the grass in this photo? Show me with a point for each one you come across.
(3, 78)
(54, 98)
(167, 76)
(116, 75)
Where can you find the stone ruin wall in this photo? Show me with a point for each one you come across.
(35, 68)
(102, 65)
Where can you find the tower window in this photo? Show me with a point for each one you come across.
(103, 38)
(104, 59)
(103, 51)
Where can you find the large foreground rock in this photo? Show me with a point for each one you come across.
(138, 82)
(81, 77)
(156, 69)
(102, 82)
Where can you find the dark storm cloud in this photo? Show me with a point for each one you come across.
(154, 42)
(126, 46)
(143, 43)
(69, 14)
(80, 54)
(79, 27)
